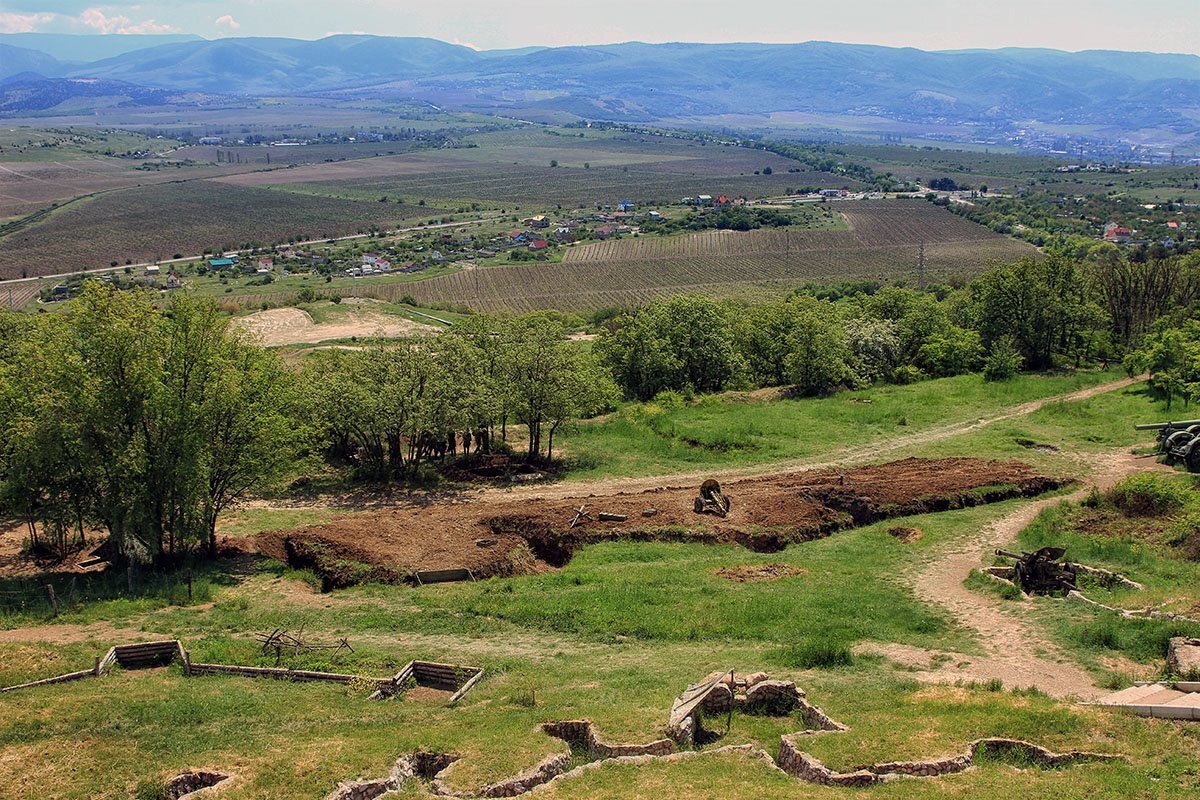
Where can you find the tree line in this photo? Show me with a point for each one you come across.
(1063, 309)
(149, 421)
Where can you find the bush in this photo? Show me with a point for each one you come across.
(1003, 362)
(1147, 495)
(907, 374)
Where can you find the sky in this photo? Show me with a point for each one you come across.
(1153, 25)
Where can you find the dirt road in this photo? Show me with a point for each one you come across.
(874, 451)
(1017, 652)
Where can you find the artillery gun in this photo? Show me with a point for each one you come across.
(1178, 442)
(1041, 572)
(711, 500)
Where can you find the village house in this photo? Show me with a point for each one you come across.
(1117, 234)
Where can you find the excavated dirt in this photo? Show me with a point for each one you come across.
(905, 534)
(504, 537)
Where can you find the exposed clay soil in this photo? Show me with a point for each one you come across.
(280, 326)
(760, 573)
(500, 536)
(905, 534)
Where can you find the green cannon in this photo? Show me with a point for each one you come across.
(1179, 442)
(1041, 572)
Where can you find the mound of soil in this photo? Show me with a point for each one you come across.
(768, 513)
(760, 573)
(906, 534)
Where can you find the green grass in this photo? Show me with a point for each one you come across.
(735, 430)
(612, 637)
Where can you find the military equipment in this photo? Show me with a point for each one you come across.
(1041, 572)
(711, 500)
(1179, 442)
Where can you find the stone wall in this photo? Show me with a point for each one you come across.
(716, 694)
(804, 766)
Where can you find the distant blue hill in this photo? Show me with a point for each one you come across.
(82, 49)
(1119, 91)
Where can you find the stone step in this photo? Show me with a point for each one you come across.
(1161, 697)
(1131, 695)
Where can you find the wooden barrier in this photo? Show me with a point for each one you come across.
(144, 655)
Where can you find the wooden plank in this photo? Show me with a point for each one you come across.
(443, 576)
(466, 687)
(70, 676)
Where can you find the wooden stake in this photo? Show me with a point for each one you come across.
(53, 598)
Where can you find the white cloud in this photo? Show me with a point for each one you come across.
(102, 23)
(14, 22)
(474, 47)
(227, 21)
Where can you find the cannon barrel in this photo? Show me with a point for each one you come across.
(1158, 426)
(1010, 554)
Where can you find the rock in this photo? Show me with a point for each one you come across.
(650, 512)
(486, 542)
(1183, 657)
(755, 678)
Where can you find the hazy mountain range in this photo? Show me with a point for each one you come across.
(634, 81)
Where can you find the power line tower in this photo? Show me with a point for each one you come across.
(921, 267)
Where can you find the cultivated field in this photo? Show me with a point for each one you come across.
(157, 222)
(882, 243)
(27, 187)
(514, 167)
(570, 187)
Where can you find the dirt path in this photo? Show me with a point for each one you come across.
(1016, 651)
(850, 455)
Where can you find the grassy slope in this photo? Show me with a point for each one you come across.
(612, 637)
(735, 430)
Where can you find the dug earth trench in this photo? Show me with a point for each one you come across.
(493, 536)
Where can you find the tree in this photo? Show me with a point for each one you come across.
(549, 379)
(685, 343)
(817, 361)
(146, 422)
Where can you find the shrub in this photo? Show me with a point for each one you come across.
(1003, 362)
(1146, 494)
(907, 374)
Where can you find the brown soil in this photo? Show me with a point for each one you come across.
(280, 326)
(424, 694)
(767, 514)
(906, 534)
(760, 573)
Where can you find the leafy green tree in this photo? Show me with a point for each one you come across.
(683, 343)
(146, 422)
(817, 362)
(874, 348)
